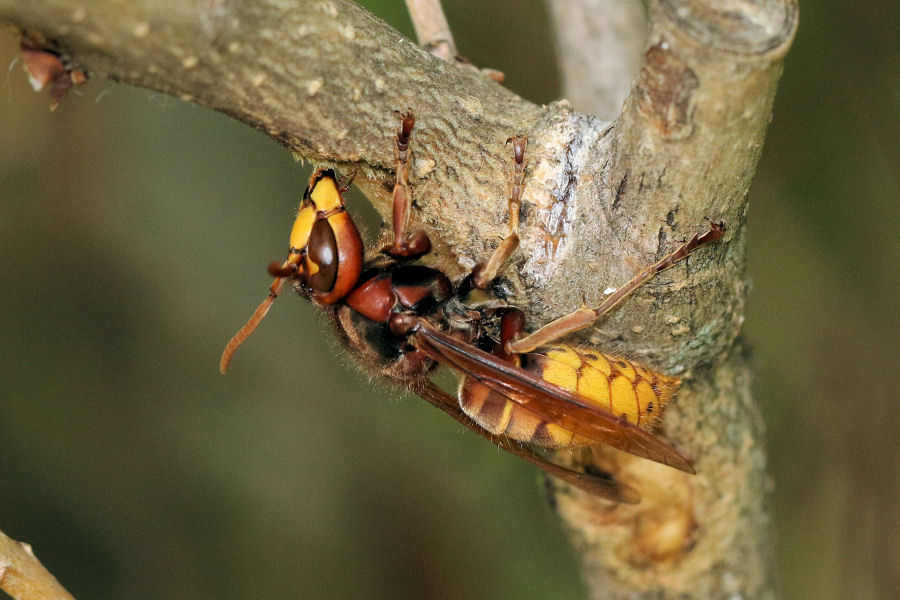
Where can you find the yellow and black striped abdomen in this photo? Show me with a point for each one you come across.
(612, 384)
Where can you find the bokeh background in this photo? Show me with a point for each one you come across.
(134, 234)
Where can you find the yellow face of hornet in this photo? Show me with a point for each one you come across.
(322, 197)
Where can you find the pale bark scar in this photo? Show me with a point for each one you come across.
(664, 89)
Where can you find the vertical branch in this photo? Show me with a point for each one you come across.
(685, 147)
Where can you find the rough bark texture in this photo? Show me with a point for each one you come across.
(698, 107)
(601, 200)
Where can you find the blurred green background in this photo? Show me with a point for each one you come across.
(134, 234)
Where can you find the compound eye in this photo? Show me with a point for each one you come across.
(322, 252)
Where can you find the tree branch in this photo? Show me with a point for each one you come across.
(601, 200)
(22, 575)
(688, 140)
(599, 46)
(432, 29)
(303, 71)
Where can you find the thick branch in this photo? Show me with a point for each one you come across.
(686, 145)
(321, 77)
(600, 201)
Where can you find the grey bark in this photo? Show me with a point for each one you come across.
(599, 45)
(602, 199)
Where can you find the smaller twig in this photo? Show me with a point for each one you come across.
(22, 575)
(432, 28)
(433, 33)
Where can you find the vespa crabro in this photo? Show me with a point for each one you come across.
(402, 319)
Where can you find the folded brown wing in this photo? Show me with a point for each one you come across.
(548, 401)
(597, 485)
